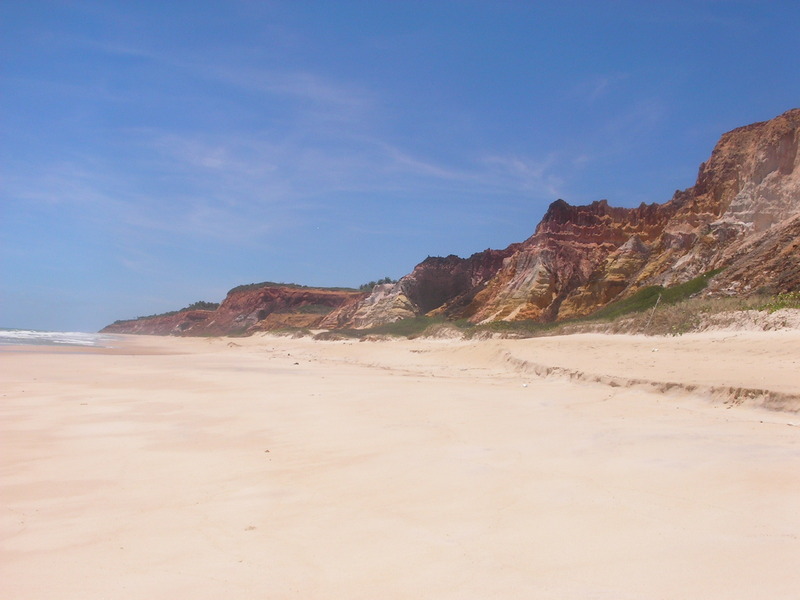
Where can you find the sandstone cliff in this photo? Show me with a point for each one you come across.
(436, 286)
(742, 214)
(245, 310)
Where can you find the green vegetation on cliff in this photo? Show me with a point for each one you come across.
(369, 286)
(266, 284)
(647, 298)
(199, 305)
(785, 300)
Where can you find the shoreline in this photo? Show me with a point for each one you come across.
(695, 364)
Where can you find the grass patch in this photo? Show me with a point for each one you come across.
(314, 309)
(642, 300)
(692, 314)
(785, 300)
(292, 332)
(525, 328)
(409, 328)
(679, 311)
(199, 305)
(646, 298)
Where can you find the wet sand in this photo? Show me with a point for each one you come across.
(569, 467)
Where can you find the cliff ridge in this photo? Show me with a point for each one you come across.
(741, 218)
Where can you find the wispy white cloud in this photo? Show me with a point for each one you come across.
(403, 162)
(634, 122)
(312, 140)
(531, 176)
(308, 97)
(598, 86)
(322, 91)
(243, 190)
(136, 260)
(617, 133)
(307, 94)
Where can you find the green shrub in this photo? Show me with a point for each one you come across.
(369, 286)
(404, 327)
(642, 300)
(255, 286)
(524, 328)
(199, 305)
(647, 297)
(202, 305)
(785, 300)
(410, 328)
(314, 309)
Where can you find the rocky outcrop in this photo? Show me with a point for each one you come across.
(245, 310)
(768, 262)
(741, 215)
(437, 286)
(749, 188)
(555, 271)
(169, 324)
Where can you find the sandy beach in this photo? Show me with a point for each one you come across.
(572, 467)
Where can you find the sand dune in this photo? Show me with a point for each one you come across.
(583, 466)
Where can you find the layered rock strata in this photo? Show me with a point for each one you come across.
(741, 215)
(437, 286)
(246, 310)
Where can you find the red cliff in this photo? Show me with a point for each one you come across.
(742, 215)
(245, 310)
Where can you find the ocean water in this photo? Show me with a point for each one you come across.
(10, 337)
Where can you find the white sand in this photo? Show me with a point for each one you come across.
(280, 468)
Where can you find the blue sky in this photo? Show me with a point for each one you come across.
(157, 153)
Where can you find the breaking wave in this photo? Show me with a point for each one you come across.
(52, 338)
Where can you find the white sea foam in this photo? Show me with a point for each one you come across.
(52, 338)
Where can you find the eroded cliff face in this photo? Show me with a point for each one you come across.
(437, 286)
(174, 324)
(748, 190)
(741, 215)
(246, 311)
(562, 259)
